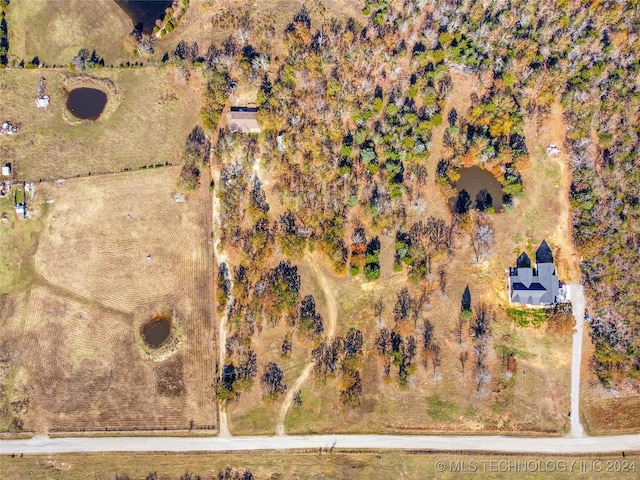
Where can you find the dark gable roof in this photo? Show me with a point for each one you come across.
(544, 254)
(523, 261)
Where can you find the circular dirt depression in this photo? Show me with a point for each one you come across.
(160, 336)
(86, 103)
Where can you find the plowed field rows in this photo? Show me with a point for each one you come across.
(83, 364)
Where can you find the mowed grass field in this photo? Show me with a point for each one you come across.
(55, 30)
(347, 465)
(146, 122)
(72, 343)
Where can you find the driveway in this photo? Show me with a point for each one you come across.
(576, 294)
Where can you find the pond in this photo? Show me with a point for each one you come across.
(156, 330)
(86, 103)
(144, 13)
(475, 180)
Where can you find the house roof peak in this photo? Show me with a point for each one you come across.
(523, 261)
(544, 254)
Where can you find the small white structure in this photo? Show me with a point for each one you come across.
(552, 150)
(8, 128)
(42, 102)
(30, 188)
(6, 170)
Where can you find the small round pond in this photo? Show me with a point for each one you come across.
(483, 188)
(86, 103)
(156, 331)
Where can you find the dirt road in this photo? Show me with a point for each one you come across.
(221, 258)
(555, 445)
(332, 308)
(577, 300)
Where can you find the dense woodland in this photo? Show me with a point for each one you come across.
(347, 121)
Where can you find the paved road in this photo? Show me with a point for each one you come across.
(45, 445)
(577, 299)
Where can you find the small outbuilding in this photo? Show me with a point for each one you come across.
(21, 211)
(243, 120)
(6, 170)
(42, 102)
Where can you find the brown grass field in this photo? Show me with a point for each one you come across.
(146, 122)
(210, 22)
(55, 30)
(75, 357)
(347, 465)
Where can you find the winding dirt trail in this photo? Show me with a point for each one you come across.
(332, 310)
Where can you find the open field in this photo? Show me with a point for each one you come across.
(74, 354)
(609, 411)
(338, 464)
(54, 31)
(146, 121)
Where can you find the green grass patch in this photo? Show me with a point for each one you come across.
(19, 240)
(441, 410)
(526, 317)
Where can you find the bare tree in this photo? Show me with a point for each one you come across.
(272, 380)
(459, 329)
(378, 308)
(417, 306)
(482, 376)
(482, 237)
(442, 276)
(463, 357)
(436, 357)
(403, 305)
(427, 334)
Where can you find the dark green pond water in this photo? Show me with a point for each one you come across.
(156, 331)
(474, 179)
(144, 13)
(86, 103)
